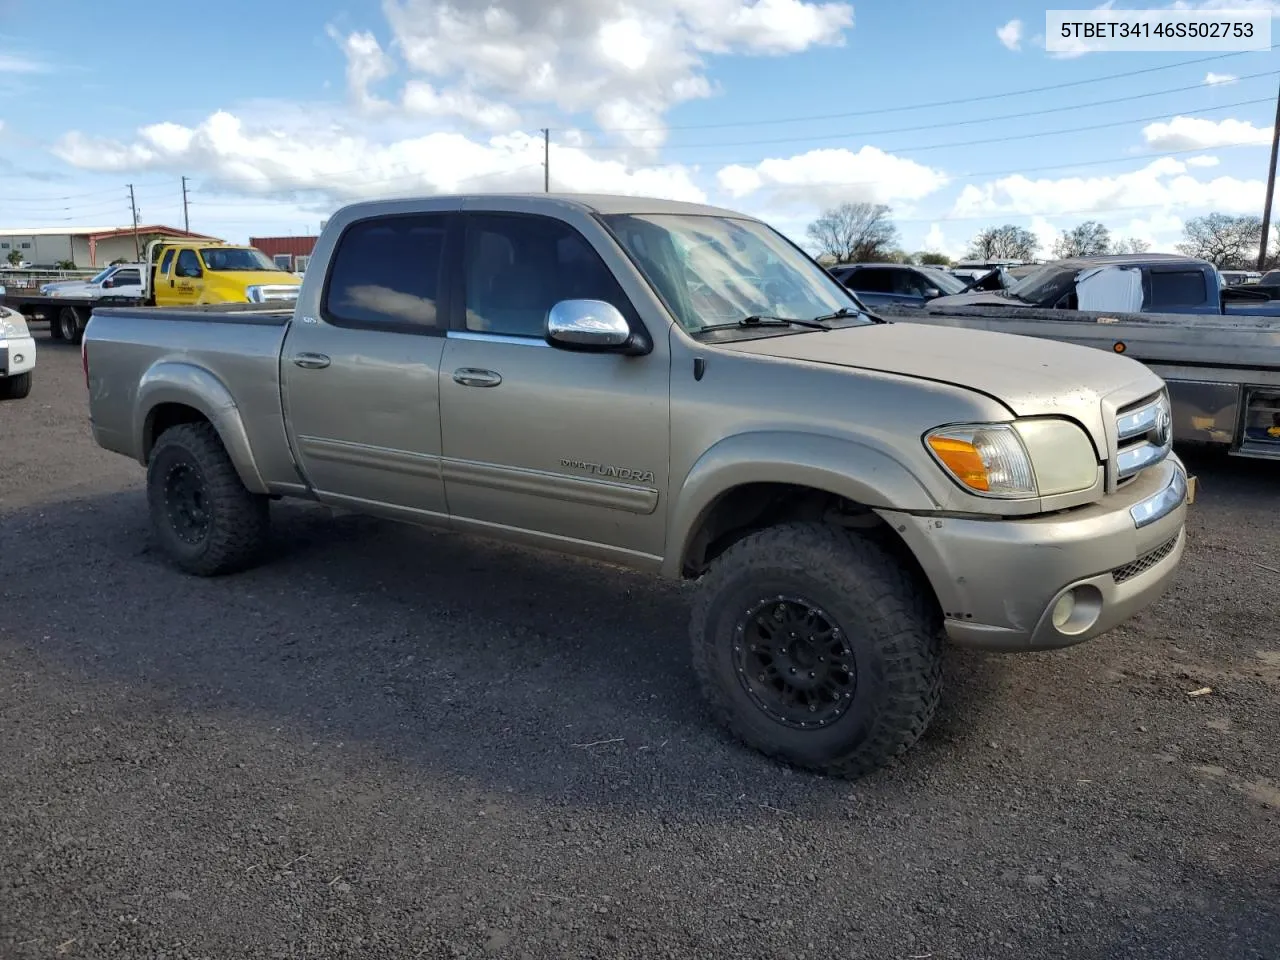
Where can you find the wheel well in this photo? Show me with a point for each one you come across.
(746, 509)
(164, 416)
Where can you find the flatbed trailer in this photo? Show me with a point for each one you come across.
(1223, 371)
(66, 316)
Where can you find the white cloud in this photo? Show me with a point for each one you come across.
(335, 163)
(1243, 6)
(1011, 34)
(629, 59)
(1202, 161)
(367, 65)
(1219, 79)
(823, 177)
(1163, 184)
(1195, 133)
(15, 63)
(423, 99)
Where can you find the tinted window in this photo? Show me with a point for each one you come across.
(871, 281)
(188, 264)
(518, 268)
(1177, 288)
(165, 261)
(127, 278)
(386, 273)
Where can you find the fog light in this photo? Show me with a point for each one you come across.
(1063, 609)
(17, 358)
(1077, 610)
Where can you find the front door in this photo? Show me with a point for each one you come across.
(545, 445)
(361, 370)
(185, 283)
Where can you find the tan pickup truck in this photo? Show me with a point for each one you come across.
(681, 390)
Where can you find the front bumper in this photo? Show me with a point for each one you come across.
(17, 355)
(998, 581)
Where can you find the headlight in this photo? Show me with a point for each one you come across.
(13, 325)
(1027, 458)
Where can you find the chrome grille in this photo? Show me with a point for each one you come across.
(1144, 436)
(1144, 562)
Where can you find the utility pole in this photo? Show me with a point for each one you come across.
(133, 206)
(1271, 188)
(186, 218)
(546, 160)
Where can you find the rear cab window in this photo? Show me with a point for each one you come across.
(386, 275)
(1175, 288)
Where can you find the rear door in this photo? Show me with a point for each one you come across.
(361, 379)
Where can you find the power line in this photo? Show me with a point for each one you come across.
(947, 123)
(924, 106)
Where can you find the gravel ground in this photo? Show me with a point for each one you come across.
(387, 743)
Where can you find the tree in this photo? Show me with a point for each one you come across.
(1007, 242)
(1131, 245)
(15, 257)
(1089, 239)
(931, 258)
(1225, 241)
(854, 232)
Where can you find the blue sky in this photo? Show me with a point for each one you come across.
(278, 113)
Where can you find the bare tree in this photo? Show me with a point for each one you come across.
(1007, 242)
(1131, 245)
(854, 232)
(1225, 241)
(1089, 239)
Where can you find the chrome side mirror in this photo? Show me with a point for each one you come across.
(592, 325)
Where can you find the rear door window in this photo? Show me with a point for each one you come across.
(386, 274)
(1176, 288)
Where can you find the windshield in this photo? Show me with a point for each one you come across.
(237, 258)
(101, 276)
(942, 280)
(717, 270)
(1046, 286)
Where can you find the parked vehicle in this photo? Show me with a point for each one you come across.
(17, 356)
(121, 279)
(1135, 283)
(176, 274)
(185, 273)
(681, 390)
(880, 283)
(1240, 277)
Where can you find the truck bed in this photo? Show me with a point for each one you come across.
(134, 350)
(1223, 371)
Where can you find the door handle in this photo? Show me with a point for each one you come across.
(473, 377)
(312, 361)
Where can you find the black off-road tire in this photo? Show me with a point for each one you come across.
(15, 387)
(885, 614)
(238, 520)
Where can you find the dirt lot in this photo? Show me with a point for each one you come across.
(386, 743)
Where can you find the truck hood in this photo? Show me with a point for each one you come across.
(1028, 375)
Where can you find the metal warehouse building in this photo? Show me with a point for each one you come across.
(289, 253)
(86, 247)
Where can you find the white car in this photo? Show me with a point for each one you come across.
(17, 355)
(118, 280)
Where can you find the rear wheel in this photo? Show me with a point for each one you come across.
(70, 324)
(15, 387)
(205, 519)
(818, 648)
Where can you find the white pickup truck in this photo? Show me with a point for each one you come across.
(17, 355)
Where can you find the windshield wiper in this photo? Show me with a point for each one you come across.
(846, 312)
(764, 320)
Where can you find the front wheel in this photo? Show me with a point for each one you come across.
(818, 648)
(15, 387)
(205, 519)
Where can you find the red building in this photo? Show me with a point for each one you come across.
(289, 253)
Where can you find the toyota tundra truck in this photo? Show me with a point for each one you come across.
(681, 390)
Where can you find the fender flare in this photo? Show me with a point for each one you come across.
(840, 466)
(175, 381)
